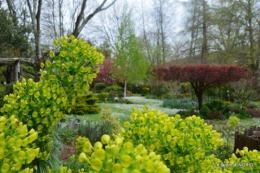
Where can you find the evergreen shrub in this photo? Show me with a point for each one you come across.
(107, 116)
(100, 86)
(85, 105)
(115, 91)
(103, 96)
(216, 109)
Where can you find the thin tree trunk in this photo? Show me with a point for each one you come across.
(204, 33)
(200, 100)
(162, 34)
(125, 88)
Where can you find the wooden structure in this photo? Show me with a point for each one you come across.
(250, 139)
(14, 70)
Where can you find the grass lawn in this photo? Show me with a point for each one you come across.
(123, 111)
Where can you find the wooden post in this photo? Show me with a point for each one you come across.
(13, 72)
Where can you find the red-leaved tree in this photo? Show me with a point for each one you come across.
(202, 76)
(105, 75)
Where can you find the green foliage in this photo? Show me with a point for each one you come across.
(134, 88)
(2, 94)
(150, 96)
(94, 130)
(215, 109)
(85, 105)
(243, 114)
(100, 86)
(67, 135)
(8, 89)
(114, 88)
(145, 90)
(13, 36)
(108, 117)
(73, 165)
(103, 96)
(176, 103)
(157, 88)
(115, 91)
(129, 64)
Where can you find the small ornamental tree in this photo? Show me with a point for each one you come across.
(202, 76)
(129, 64)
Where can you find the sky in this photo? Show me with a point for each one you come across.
(177, 17)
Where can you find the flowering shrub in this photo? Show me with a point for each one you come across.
(40, 105)
(118, 156)
(183, 144)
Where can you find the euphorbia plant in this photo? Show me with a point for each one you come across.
(40, 104)
(184, 144)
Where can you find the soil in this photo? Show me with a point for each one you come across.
(68, 150)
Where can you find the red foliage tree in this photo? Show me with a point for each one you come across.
(105, 75)
(202, 76)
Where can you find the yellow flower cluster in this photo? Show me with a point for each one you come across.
(118, 156)
(183, 143)
(15, 145)
(74, 67)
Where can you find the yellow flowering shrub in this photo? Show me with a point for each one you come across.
(118, 156)
(40, 105)
(182, 143)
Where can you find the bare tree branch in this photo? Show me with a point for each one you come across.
(81, 21)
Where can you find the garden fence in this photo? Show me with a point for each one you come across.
(250, 139)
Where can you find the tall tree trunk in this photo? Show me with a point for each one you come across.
(145, 36)
(200, 100)
(61, 28)
(204, 35)
(38, 31)
(125, 89)
(162, 33)
(191, 51)
(199, 90)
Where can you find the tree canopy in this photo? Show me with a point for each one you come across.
(202, 76)
(13, 36)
